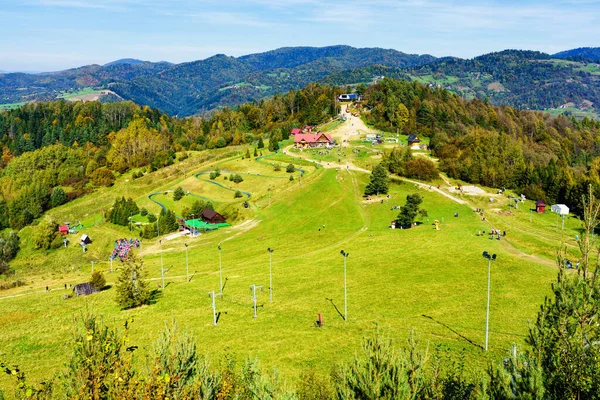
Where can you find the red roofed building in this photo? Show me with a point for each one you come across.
(63, 229)
(295, 131)
(313, 140)
(308, 128)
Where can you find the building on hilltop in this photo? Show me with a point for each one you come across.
(295, 131)
(349, 97)
(313, 140)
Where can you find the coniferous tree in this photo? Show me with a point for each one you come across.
(178, 194)
(132, 288)
(410, 211)
(564, 340)
(379, 181)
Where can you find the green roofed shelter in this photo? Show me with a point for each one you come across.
(199, 224)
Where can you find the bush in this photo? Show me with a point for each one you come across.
(290, 168)
(421, 168)
(98, 281)
(215, 174)
(238, 194)
(291, 178)
(277, 167)
(143, 212)
(237, 178)
(102, 177)
(151, 218)
(183, 156)
(137, 174)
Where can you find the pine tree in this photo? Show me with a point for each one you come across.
(410, 210)
(564, 340)
(178, 194)
(379, 181)
(132, 289)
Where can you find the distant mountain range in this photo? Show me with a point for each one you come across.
(524, 79)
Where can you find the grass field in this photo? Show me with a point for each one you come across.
(82, 92)
(11, 106)
(574, 111)
(431, 281)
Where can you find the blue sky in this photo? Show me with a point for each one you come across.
(47, 35)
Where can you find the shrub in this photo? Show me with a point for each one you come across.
(237, 178)
(238, 194)
(98, 281)
(277, 167)
(143, 212)
(151, 218)
(103, 177)
(421, 168)
(290, 168)
(291, 178)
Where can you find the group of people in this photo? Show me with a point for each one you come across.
(123, 247)
(494, 233)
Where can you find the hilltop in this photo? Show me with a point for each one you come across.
(586, 54)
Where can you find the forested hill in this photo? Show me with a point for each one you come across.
(523, 79)
(586, 54)
(546, 158)
(54, 152)
(193, 87)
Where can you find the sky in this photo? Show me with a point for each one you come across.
(51, 35)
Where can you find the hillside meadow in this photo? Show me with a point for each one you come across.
(422, 280)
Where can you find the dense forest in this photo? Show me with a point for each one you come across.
(57, 151)
(544, 157)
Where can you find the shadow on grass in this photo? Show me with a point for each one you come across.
(155, 295)
(335, 307)
(454, 331)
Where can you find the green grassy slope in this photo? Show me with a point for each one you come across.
(395, 277)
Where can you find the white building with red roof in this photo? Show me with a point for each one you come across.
(313, 140)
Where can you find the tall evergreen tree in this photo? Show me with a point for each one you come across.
(132, 288)
(379, 181)
(410, 210)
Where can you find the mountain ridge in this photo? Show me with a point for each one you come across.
(188, 88)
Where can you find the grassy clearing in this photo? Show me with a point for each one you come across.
(81, 92)
(432, 281)
(576, 112)
(11, 106)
